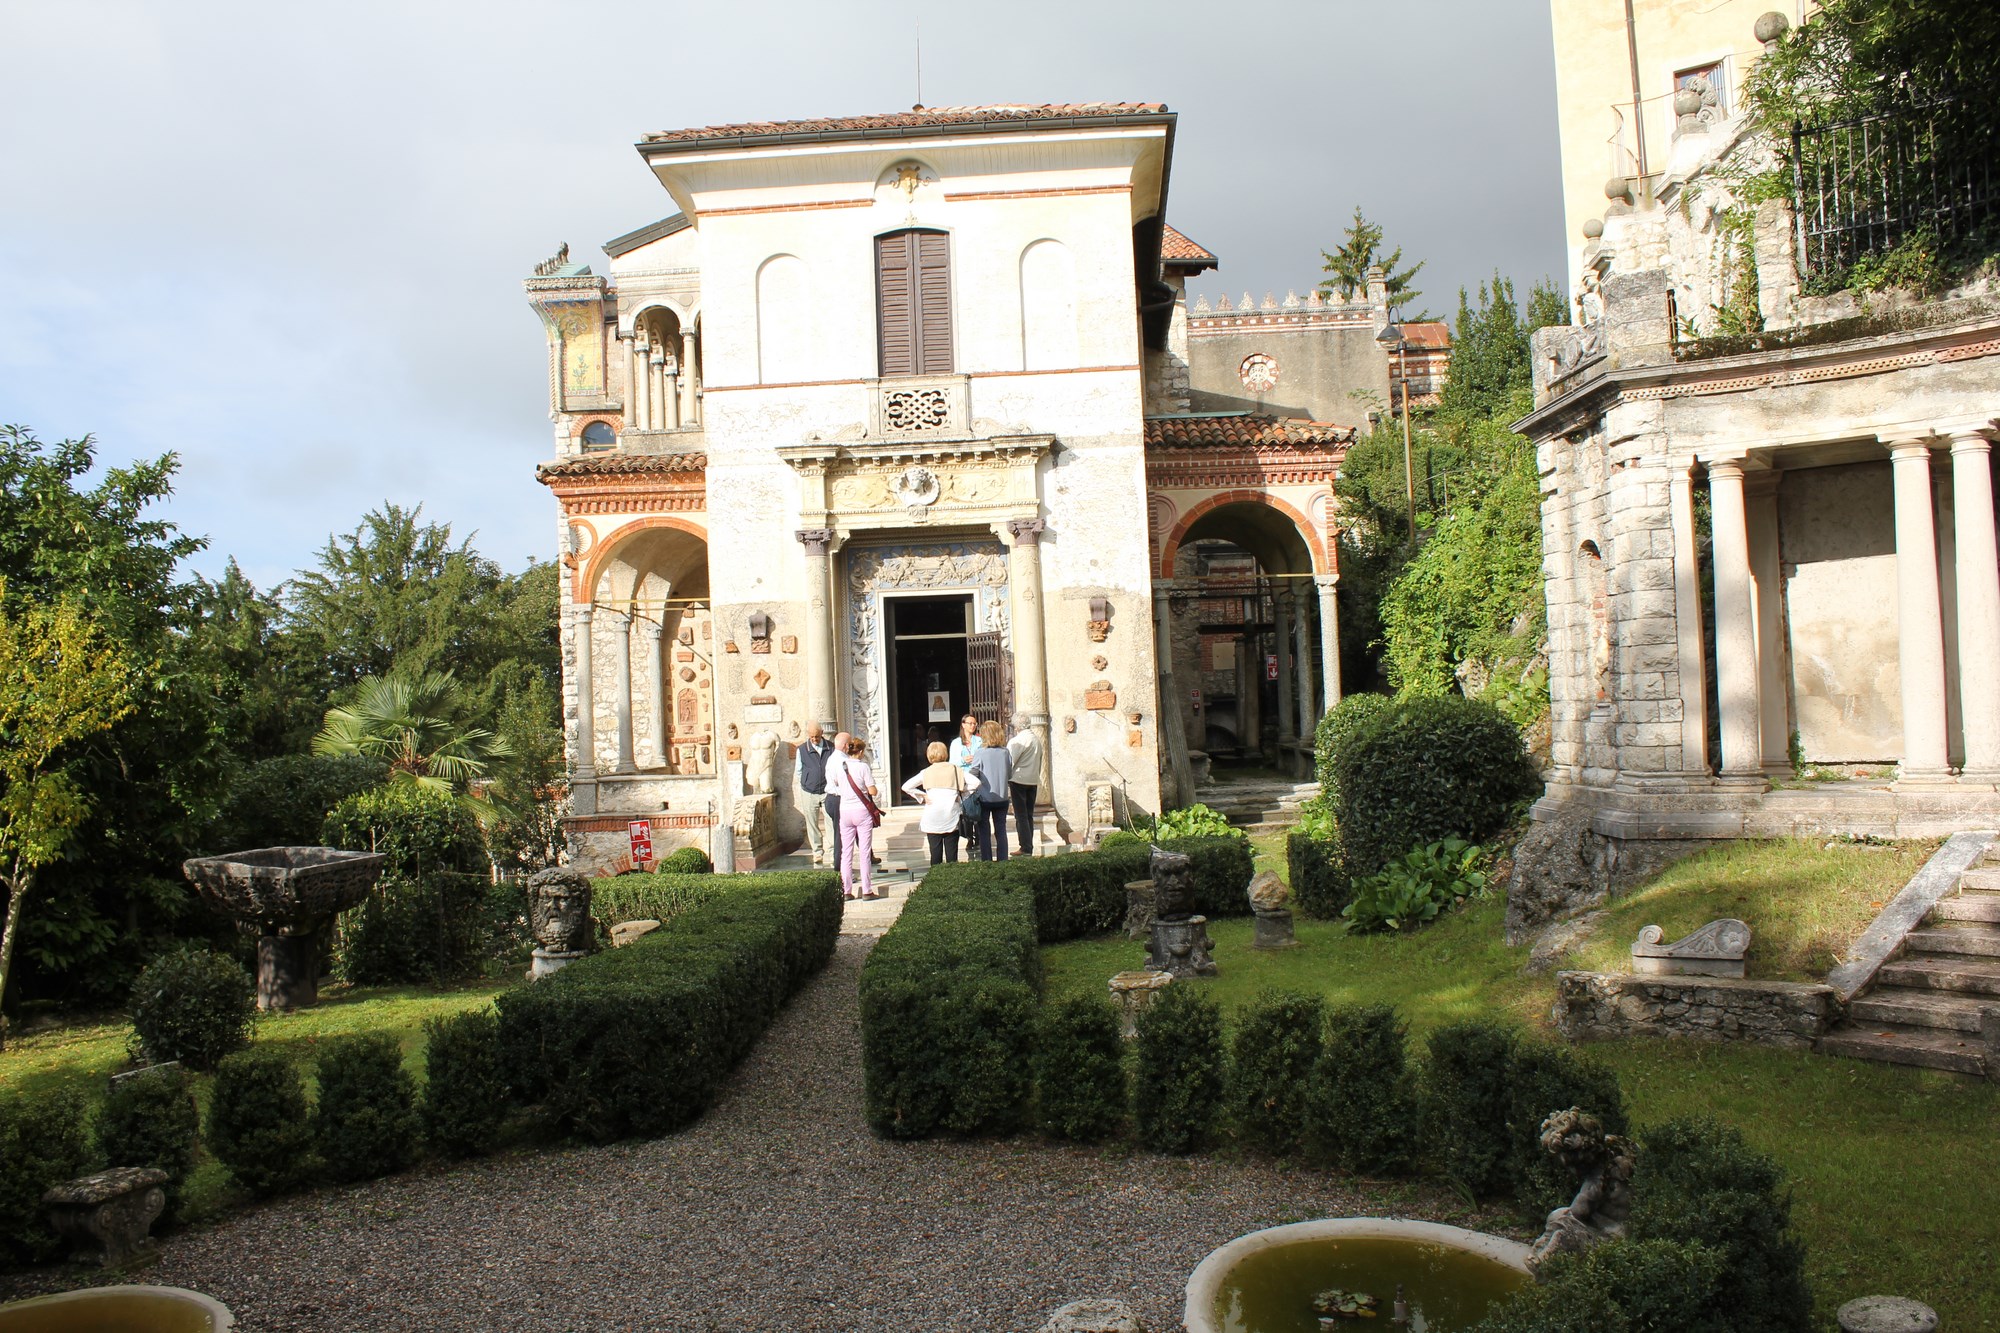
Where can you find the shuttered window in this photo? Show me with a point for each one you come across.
(913, 302)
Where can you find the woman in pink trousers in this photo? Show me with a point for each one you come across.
(857, 825)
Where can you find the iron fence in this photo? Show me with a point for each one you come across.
(1862, 186)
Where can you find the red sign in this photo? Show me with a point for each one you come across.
(1270, 666)
(641, 833)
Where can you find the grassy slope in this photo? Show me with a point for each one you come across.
(1893, 1168)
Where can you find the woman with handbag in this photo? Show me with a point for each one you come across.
(940, 788)
(994, 768)
(859, 816)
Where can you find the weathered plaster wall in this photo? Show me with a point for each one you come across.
(1837, 537)
(1327, 370)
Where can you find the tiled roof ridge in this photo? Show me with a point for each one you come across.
(1244, 429)
(915, 117)
(1177, 244)
(611, 465)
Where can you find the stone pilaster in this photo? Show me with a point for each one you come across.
(1281, 604)
(1766, 590)
(1689, 651)
(1978, 569)
(1302, 664)
(819, 626)
(1178, 787)
(1920, 617)
(584, 762)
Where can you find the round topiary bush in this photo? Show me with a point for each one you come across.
(366, 1122)
(259, 1123)
(685, 861)
(1080, 1070)
(1336, 729)
(194, 1006)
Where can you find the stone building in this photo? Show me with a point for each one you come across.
(1763, 552)
(887, 423)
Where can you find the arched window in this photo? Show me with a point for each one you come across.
(599, 435)
(784, 310)
(913, 302)
(1048, 307)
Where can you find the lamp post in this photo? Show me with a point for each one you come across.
(1392, 340)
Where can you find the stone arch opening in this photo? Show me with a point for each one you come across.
(653, 653)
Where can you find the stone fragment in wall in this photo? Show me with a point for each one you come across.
(789, 644)
(729, 646)
(1135, 739)
(762, 677)
(1100, 697)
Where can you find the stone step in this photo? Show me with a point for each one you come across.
(1981, 878)
(1968, 907)
(1930, 1048)
(1975, 939)
(1979, 976)
(1897, 1005)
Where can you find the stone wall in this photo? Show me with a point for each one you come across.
(1595, 1005)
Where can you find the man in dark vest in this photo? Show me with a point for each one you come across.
(809, 771)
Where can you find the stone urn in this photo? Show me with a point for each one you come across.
(559, 919)
(289, 894)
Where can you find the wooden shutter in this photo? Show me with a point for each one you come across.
(913, 302)
(982, 660)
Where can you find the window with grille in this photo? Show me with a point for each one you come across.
(913, 302)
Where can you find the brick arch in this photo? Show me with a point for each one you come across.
(576, 427)
(1171, 547)
(585, 586)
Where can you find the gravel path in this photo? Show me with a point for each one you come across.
(779, 1210)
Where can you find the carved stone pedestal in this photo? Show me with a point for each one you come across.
(108, 1218)
(287, 971)
(1138, 908)
(1132, 992)
(548, 962)
(1181, 947)
(1274, 930)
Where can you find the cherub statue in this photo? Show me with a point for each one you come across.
(1603, 1162)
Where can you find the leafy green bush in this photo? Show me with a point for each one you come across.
(651, 897)
(948, 1005)
(465, 1088)
(366, 1123)
(1177, 1094)
(1080, 1070)
(1336, 729)
(149, 1119)
(43, 1142)
(259, 1123)
(1319, 880)
(1190, 821)
(1118, 838)
(422, 931)
(1628, 1286)
(283, 802)
(418, 829)
(193, 1006)
(685, 861)
(1424, 770)
(1361, 1103)
(1277, 1044)
(1544, 1079)
(1466, 1091)
(1698, 1181)
(637, 1041)
(1413, 890)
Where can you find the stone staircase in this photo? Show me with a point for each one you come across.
(1925, 1003)
(1257, 805)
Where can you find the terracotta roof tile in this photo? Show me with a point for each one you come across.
(915, 118)
(1238, 431)
(620, 465)
(1430, 333)
(1174, 245)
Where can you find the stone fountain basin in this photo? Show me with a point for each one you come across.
(1216, 1299)
(127, 1309)
(297, 887)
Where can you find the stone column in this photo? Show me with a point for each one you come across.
(633, 385)
(1329, 637)
(1978, 604)
(1031, 675)
(1766, 591)
(1281, 645)
(819, 627)
(585, 766)
(660, 390)
(1920, 618)
(670, 394)
(642, 379)
(690, 386)
(1689, 650)
(1735, 625)
(656, 687)
(1302, 665)
(621, 708)
(1247, 676)
(1169, 713)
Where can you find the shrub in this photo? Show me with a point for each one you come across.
(1698, 1181)
(43, 1141)
(1276, 1046)
(1118, 838)
(193, 1006)
(636, 1041)
(1428, 769)
(416, 930)
(1640, 1286)
(651, 897)
(1080, 1070)
(1191, 821)
(1544, 1079)
(1361, 1104)
(465, 1088)
(1320, 886)
(1084, 894)
(1336, 729)
(1177, 1098)
(685, 861)
(418, 829)
(366, 1123)
(1412, 890)
(283, 802)
(149, 1119)
(1466, 1092)
(258, 1122)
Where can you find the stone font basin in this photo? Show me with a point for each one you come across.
(118, 1310)
(1265, 1282)
(285, 887)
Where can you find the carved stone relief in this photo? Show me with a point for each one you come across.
(976, 567)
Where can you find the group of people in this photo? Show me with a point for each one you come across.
(966, 790)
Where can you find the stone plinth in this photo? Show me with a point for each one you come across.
(1273, 930)
(547, 962)
(287, 971)
(1138, 908)
(1181, 947)
(108, 1218)
(1592, 1005)
(1132, 992)
(1886, 1314)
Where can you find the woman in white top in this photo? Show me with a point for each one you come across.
(966, 744)
(940, 787)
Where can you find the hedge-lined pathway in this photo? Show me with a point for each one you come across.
(778, 1211)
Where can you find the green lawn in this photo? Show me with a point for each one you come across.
(1893, 1167)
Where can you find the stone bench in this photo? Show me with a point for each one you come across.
(108, 1218)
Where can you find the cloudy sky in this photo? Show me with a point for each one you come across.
(287, 242)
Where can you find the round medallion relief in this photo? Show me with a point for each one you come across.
(1259, 372)
(917, 487)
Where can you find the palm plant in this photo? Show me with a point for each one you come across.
(415, 724)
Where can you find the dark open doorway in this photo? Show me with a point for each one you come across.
(929, 677)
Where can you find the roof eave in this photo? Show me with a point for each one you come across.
(649, 148)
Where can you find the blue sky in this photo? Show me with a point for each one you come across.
(287, 242)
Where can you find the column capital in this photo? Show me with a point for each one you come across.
(1970, 442)
(652, 629)
(817, 541)
(1326, 582)
(1026, 531)
(1916, 447)
(582, 613)
(620, 619)
(1725, 469)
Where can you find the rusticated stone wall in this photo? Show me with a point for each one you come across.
(1594, 1005)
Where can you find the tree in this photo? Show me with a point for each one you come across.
(1347, 268)
(1489, 347)
(63, 680)
(414, 724)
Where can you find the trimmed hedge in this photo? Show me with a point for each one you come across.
(1080, 1071)
(1361, 1103)
(194, 1006)
(259, 1122)
(465, 1089)
(1177, 1093)
(1543, 1079)
(636, 1041)
(43, 1141)
(366, 1123)
(1467, 1091)
(1276, 1046)
(149, 1119)
(1320, 883)
(651, 896)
